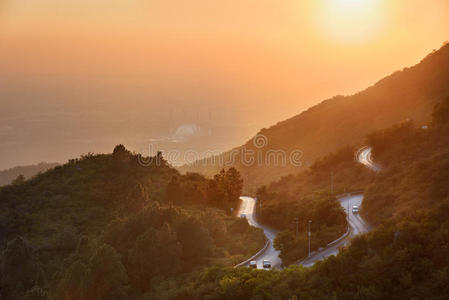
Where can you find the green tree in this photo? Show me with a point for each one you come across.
(67, 239)
(106, 274)
(262, 193)
(197, 244)
(214, 193)
(136, 200)
(215, 223)
(440, 115)
(121, 156)
(20, 270)
(226, 188)
(292, 248)
(72, 282)
(173, 191)
(155, 253)
(118, 236)
(234, 185)
(19, 180)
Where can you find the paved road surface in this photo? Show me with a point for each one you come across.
(271, 254)
(356, 226)
(364, 157)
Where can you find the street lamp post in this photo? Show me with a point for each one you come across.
(310, 221)
(349, 211)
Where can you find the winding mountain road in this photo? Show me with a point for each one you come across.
(248, 208)
(356, 224)
(364, 157)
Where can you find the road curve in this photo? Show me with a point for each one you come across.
(356, 226)
(364, 157)
(247, 208)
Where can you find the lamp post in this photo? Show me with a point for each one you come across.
(310, 221)
(349, 211)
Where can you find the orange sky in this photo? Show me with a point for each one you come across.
(300, 50)
(258, 61)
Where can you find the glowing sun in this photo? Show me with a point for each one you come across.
(352, 20)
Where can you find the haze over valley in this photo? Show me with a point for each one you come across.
(221, 150)
(79, 77)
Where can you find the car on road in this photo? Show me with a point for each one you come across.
(266, 264)
(253, 264)
(355, 209)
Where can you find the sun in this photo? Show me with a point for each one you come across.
(351, 4)
(352, 20)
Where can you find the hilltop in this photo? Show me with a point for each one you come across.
(112, 226)
(408, 94)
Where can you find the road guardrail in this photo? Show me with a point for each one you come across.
(267, 243)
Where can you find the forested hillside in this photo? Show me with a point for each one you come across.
(117, 226)
(415, 164)
(120, 226)
(310, 195)
(404, 259)
(331, 175)
(410, 93)
(406, 255)
(414, 176)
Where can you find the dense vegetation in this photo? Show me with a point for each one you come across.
(345, 120)
(332, 175)
(405, 257)
(310, 195)
(415, 165)
(7, 176)
(116, 227)
(122, 226)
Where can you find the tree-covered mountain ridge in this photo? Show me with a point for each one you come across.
(114, 226)
(410, 93)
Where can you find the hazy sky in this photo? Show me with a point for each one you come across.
(81, 75)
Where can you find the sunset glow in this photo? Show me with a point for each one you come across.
(353, 20)
(226, 58)
(235, 149)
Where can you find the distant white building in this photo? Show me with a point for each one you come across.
(187, 130)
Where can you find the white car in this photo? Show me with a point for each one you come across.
(253, 264)
(266, 264)
(355, 209)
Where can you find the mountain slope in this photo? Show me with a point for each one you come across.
(109, 226)
(343, 120)
(406, 254)
(7, 176)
